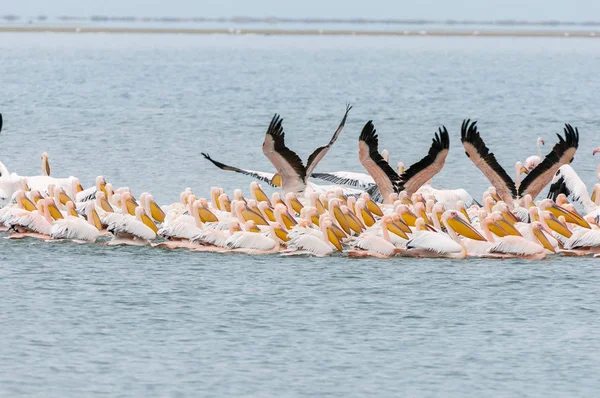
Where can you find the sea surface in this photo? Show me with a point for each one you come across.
(90, 320)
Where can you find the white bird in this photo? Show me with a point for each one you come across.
(436, 244)
(309, 244)
(76, 228)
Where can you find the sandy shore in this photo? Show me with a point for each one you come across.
(304, 32)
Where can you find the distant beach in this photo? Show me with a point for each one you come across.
(301, 32)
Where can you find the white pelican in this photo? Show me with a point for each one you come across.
(386, 179)
(369, 244)
(562, 153)
(250, 242)
(76, 228)
(568, 182)
(436, 244)
(294, 175)
(131, 230)
(272, 179)
(89, 194)
(311, 244)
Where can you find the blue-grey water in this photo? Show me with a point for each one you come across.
(89, 320)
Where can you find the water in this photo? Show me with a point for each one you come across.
(87, 320)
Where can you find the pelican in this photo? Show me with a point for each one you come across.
(386, 179)
(370, 244)
(76, 228)
(294, 175)
(251, 241)
(566, 181)
(562, 153)
(131, 230)
(89, 194)
(435, 244)
(311, 244)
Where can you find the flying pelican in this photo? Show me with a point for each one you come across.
(387, 180)
(294, 175)
(562, 153)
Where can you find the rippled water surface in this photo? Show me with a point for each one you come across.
(86, 320)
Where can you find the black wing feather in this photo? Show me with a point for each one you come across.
(276, 132)
(369, 137)
(317, 151)
(570, 141)
(469, 133)
(238, 170)
(439, 143)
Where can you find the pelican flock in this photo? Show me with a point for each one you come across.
(383, 211)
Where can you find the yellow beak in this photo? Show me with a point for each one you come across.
(463, 211)
(338, 232)
(570, 217)
(543, 240)
(315, 220)
(374, 208)
(557, 226)
(63, 197)
(106, 206)
(339, 216)
(510, 217)
(354, 223)
(465, 229)
(288, 220)
(148, 222)
(260, 195)
(524, 170)
(497, 230)
(282, 234)
(409, 218)
(156, 212)
(508, 227)
(270, 214)
(396, 230)
(54, 212)
(131, 205)
(96, 218)
(208, 216)
(73, 212)
(319, 205)
(28, 204)
(78, 188)
(296, 205)
(368, 218)
(334, 239)
(276, 180)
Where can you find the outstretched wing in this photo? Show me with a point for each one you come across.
(422, 171)
(320, 152)
(562, 153)
(485, 161)
(385, 177)
(286, 162)
(259, 175)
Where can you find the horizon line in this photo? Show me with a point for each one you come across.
(307, 20)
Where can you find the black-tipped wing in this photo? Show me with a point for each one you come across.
(558, 187)
(259, 175)
(286, 162)
(319, 153)
(422, 171)
(385, 177)
(485, 161)
(348, 178)
(0, 122)
(562, 153)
